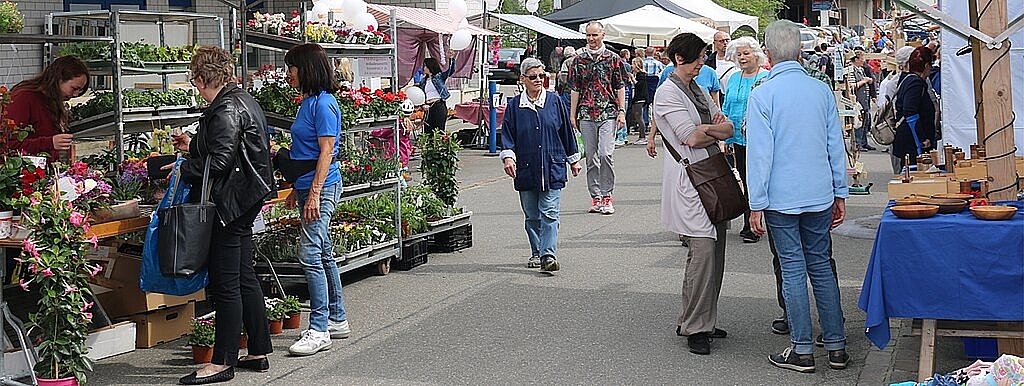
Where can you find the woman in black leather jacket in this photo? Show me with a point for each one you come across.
(233, 136)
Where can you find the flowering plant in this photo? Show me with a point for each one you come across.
(276, 24)
(56, 256)
(203, 332)
(84, 188)
(132, 178)
(11, 19)
(440, 152)
(274, 309)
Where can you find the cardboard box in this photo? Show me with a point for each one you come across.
(129, 299)
(111, 340)
(926, 188)
(164, 325)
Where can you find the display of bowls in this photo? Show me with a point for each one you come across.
(914, 211)
(913, 200)
(947, 205)
(993, 212)
(954, 196)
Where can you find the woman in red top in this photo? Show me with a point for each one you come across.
(39, 102)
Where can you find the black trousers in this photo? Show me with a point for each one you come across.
(436, 118)
(740, 153)
(778, 268)
(235, 291)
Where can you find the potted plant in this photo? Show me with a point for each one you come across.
(275, 314)
(201, 338)
(11, 19)
(56, 256)
(293, 312)
(440, 162)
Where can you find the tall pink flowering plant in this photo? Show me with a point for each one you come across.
(55, 254)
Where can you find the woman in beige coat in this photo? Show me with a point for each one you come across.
(692, 125)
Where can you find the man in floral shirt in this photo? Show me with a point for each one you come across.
(598, 79)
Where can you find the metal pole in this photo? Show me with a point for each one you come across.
(115, 23)
(493, 121)
(242, 41)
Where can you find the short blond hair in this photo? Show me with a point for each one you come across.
(214, 64)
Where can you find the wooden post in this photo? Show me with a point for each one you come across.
(992, 95)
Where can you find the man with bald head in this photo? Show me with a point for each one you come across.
(722, 65)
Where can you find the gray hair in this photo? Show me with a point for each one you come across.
(597, 23)
(903, 56)
(530, 63)
(569, 51)
(782, 38)
(746, 41)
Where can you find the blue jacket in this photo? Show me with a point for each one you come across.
(439, 79)
(541, 142)
(796, 161)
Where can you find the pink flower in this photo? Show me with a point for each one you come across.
(87, 306)
(24, 284)
(30, 247)
(94, 241)
(69, 289)
(47, 273)
(86, 226)
(77, 218)
(34, 268)
(96, 270)
(88, 316)
(18, 259)
(33, 200)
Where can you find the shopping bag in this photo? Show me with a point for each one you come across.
(185, 230)
(150, 277)
(579, 143)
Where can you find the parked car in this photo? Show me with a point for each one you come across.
(507, 69)
(808, 39)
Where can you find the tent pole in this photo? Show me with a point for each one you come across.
(993, 100)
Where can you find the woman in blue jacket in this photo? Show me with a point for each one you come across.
(538, 142)
(436, 92)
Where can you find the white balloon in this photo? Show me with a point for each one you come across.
(492, 5)
(463, 24)
(338, 6)
(353, 8)
(457, 9)
(320, 11)
(532, 5)
(415, 95)
(363, 21)
(461, 40)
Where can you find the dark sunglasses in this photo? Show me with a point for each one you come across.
(542, 75)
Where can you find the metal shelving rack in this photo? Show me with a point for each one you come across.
(120, 122)
(279, 44)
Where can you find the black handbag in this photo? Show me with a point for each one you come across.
(184, 232)
(719, 192)
(291, 169)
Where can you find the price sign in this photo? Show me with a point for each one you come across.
(375, 67)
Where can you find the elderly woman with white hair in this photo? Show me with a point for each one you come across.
(745, 52)
(887, 88)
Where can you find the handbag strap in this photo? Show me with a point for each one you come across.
(711, 149)
(205, 197)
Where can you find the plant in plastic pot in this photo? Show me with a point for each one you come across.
(201, 338)
(56, 256)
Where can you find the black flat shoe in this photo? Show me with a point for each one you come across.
(259, 365)
(699, 343)
(717, 333)
(223, 376)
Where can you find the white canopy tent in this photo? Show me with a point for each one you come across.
(724, 18)
(650, 25)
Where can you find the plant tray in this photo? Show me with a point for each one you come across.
(387, 181)
(414, 254)
(364, 120)
(387, 119)
(361, 252)
(352, 189)
(452, 240)
(447, 220)
(385, 245)
(125, 210)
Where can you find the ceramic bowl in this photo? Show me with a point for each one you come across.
(914, 211)
(947, 205)
(994, 212)
(954, 196)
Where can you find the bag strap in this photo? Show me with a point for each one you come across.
(205, 197)
(712, 149)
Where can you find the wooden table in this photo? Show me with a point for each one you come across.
(101, 231)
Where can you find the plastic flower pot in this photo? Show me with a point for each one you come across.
(276, 327)
(202, 354)
(293, 321)
(69, 381)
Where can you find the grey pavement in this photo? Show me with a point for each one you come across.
(608, 317)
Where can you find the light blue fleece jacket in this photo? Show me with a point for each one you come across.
(796, 161)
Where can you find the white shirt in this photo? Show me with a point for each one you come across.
(887, 89)
(724, 69)
(526, 103)
(431, 91)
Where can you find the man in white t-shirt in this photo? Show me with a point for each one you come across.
(722, 65)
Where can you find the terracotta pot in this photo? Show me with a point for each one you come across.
(202, 354)
(69, 381)
(276, 327)
(243, 341)
(293, 321)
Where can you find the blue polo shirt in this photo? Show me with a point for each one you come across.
(707, 78)
(319, 116)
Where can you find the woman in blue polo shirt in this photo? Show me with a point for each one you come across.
(315, 136)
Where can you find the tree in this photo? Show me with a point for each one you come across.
(767, 11)
(518, 36)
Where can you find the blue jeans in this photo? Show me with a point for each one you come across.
(541, 209)
(803, 242)
(316, 255)
(647, 114)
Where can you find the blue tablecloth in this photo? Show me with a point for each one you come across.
(950, 266)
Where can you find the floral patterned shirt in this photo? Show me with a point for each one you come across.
(597, 78)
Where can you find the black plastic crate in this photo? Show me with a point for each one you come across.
(452, 240)
(414, 254)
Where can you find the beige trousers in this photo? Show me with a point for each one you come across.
(702, 282)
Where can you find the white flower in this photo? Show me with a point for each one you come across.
(89, 185)
(68, 188)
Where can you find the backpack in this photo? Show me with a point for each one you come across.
(883, 129)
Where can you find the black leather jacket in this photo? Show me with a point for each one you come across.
(233, 133)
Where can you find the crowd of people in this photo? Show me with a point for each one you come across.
(733, 96)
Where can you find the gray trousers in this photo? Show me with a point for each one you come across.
(702, 282)
(599, 143)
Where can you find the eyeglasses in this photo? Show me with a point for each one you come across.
(723, 40)
(192, 80)
(542, 75)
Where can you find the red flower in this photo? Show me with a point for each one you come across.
(379, 93)
(298, 99)
(389, 97)
(364, 90)
(369, 168)
(401, 95)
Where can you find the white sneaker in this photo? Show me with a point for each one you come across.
(310, 343)
(641, 141)
(338, 330)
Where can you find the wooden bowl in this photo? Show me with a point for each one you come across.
(908, 201)
(947, 205)
(954, 196)
(994, 212)
(914, 211)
